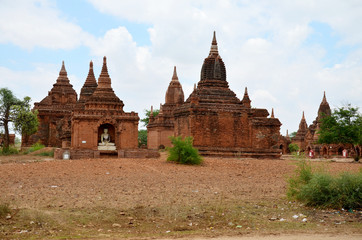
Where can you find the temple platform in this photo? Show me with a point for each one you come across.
(123, 153)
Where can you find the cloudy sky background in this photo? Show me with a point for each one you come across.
(286, 52)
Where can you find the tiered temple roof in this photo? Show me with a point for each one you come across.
(89, 86)
(213, 87)
(104, 96)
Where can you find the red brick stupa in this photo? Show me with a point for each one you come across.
(54, 113)
(101, 125)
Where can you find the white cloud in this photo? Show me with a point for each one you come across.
(38, 23)
(261, 42)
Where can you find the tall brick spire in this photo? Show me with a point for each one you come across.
(63, 75)
(174, 76)
(303, 124)
(213, 87)
(62, 92)
(104, 94)
(246, 100)
(174, 93)
(104, 81)
(213, 50)
(324, 108)
(302, 130)
(89, 86)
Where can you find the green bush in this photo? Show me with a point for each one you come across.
(303, 175)
(35, 147)
(48, 154)
(321, 189)
(183, 152)
(4, 210)
(293, 147)
(9, 151)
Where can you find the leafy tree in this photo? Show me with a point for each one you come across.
(183, 151)
(293, 134)
(18, 112)
(293, 147)
(147, 118)
(343, 126)
(142, 137)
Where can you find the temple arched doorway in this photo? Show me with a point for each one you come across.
(109, 128)
(324, 151)
(340, 151)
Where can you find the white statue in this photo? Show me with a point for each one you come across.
(106, 139)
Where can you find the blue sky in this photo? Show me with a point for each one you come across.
(286, 52)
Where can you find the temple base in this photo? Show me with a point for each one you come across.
(106, 148)
(239, 152)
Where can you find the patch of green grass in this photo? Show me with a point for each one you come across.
(9, 151)
(321, 189)
(48, 154)
(35, 147)
(4, 210)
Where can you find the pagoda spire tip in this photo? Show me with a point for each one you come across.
(214, 49)
(62, 70)
(174, 76)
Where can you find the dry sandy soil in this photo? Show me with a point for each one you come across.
(138, 198)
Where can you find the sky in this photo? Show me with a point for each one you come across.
(287, 53)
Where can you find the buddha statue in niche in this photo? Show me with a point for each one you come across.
(106, 139)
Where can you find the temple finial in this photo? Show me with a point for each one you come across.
(91, 64)
(161, 111)
(214, 50)
(287, 133)
(303, 116)
(324, 97)
(104, 67)
(62, 70)
(174, 76)
(246, 100)
(151, 112)
(272, 113)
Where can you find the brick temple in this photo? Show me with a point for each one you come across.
(91, 126)
(307, 137)
(54, 114)
(220, 123)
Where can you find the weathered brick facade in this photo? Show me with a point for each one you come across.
(99, 110)
(54, 113)
(162, 127)
(76, 126)
(218, 121)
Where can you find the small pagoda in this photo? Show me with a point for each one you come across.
(99, 124)
(54, 114)
(161, 127)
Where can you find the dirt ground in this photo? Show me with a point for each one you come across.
(221, 197)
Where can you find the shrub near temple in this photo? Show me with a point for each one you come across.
(321, 189)
(183, 152)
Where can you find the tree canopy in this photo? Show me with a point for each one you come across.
(147, 118)
(343, 126)
(18, 112)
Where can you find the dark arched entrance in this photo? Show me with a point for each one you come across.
(340, 150)
(325, 151)
(111, 132)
